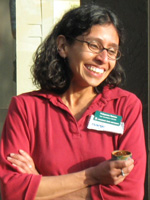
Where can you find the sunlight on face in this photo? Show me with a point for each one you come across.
(91, 68)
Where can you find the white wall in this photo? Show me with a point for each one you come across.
(35, 18)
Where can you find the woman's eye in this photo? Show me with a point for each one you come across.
(94, 46)
(112, 52)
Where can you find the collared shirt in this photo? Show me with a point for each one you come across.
(42, 125)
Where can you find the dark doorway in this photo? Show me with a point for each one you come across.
(134, 15)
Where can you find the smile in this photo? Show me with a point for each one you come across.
(95, 69)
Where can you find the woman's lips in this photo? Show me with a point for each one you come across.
(95, 69)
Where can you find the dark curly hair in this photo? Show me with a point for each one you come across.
(50, 71)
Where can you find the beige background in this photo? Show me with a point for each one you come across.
(34, 21)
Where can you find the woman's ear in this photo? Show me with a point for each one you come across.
(62, 46)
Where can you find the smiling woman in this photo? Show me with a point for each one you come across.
(89, 65)
(57, 141)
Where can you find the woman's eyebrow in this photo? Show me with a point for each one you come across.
(101, 41)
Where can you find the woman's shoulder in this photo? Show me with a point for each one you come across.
(31, 97)
(121, 95)
(124, 92)
(30, 102)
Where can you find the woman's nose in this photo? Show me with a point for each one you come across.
(103, 56)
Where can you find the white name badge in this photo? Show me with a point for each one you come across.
(103, 121)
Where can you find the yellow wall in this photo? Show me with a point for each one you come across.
(35, 18)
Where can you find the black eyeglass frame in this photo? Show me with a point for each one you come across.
(100, 51)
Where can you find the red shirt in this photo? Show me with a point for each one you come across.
(40, 124)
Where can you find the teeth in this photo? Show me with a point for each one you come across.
(95, 69)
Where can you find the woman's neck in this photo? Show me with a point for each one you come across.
(78, 100)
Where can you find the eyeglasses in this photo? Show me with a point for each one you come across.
(96, 47)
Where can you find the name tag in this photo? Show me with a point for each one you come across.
(103, 121)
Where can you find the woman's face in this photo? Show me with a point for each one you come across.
(91, 69)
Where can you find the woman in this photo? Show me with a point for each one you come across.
(65, 129)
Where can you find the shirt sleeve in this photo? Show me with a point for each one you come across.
(15, 136)
(133, 140)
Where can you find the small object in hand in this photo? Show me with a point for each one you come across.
(122, 172)
(121, 155)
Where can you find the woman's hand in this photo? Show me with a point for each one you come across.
(106, 173)
(23, 162)
(110, 172)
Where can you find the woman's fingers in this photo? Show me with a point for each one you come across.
(128, 169)
(121, 174)
(112, 172)
(25, 155)
(122, 167)
(18, 162)
(23, 162)
(122, 163)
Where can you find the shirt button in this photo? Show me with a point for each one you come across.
(73, 128)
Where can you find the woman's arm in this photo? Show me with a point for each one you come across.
(51, 187)
(133, 140)
(24, 163)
